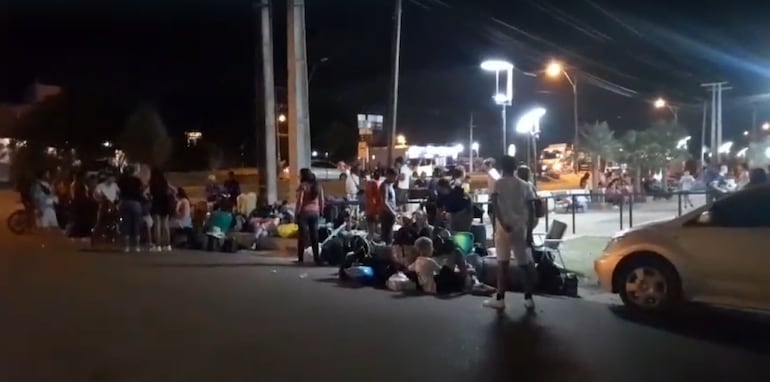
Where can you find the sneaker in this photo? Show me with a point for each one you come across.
(494, 304)
(529, 304)
(154, 248)
(167, 248)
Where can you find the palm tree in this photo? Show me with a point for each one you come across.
(653, 149)
(599, 142)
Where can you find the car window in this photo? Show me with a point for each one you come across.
(745, 209)
(322, 164)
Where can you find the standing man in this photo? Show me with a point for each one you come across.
(404, 182)
(511, 202)
(686, 183)
(493, 175)
(389, 208)
(232, 188)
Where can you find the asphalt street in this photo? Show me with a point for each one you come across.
(70, 315)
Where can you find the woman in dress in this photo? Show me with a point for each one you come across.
(163, 204)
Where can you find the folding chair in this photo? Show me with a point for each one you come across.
(549, 243)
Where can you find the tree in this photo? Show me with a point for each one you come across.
(145, 139)
(653, 148)
(599, 142)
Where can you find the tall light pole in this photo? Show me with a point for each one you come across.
(661, 103)
(271, 137)
(502, 99)
(554, 70)
(393, 112)
(529, 124)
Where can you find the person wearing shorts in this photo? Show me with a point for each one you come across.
(511, 204)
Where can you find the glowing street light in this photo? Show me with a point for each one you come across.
(682, 143)
(745, 133)
(661, 103)
(504, 99)
(282, 118)
(511, 150)
(725, 147)
(107, 144)
(314, 153)
(766, 126)
(475, 147)
(554, 69)
(400, 140)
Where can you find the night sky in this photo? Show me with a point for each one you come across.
(196, 60)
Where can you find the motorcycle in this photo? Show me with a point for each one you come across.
(21, 220)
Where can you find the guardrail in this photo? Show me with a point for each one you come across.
(602, 214)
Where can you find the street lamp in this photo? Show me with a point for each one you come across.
(661, 103)
(745, 133)
(400, 140)
(503, 99)
(529, 123)
(554, 70)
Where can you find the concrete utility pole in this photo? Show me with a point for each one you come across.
(299, 114)
(716, 89)
(470, 144)
(271, 164)
(703, 134)
(393, 104)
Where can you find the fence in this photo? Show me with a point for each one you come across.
(603, 215)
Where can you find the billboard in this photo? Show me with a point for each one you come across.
(369, 123)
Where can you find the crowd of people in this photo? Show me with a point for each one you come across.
(383, 197)
(110, 204)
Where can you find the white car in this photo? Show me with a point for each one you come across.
(718, 254)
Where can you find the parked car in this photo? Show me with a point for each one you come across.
(716, 254)
(323, 170)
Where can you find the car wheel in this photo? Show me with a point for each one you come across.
(649, 284)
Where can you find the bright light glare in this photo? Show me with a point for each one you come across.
(475, 146)
(314, 153)
(496, 65)
(766, 126)
(401, 140)
(682, 143)
(512, 150)
(660, 102)
(530, 121)
(742, 152)
(725, 147)
(282, 118)
(107, 144)
(459, 147)
(767, 153)
(554, 69)
(500, 98)
(745, 133)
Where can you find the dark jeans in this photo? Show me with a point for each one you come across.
(387, 220)
(131, 213)
(308, 235)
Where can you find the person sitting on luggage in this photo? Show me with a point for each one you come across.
(219, 225)
(424, 267)
(455, 206)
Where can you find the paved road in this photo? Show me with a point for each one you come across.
(78, 316)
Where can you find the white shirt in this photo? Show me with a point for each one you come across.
(107, 191)
(686, 182)
(426, 268)
(513, 197)
(351, 184)
(406, 172)
(492, 176)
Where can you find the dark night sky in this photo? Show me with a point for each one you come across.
(196, 59)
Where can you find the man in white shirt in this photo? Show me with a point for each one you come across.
(686, 183)
(404, 182)
(511, 203)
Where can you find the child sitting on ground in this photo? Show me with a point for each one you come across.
(424, 266)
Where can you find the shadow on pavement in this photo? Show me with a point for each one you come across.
(521, 349)
(738, 329)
